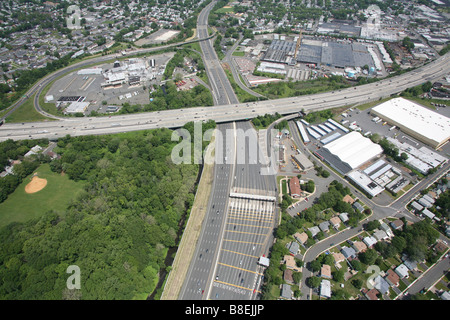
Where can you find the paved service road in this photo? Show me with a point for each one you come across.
(396, 208)
(428, 278)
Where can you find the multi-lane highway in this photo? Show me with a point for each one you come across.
(249, 223)
(237, 229)
(41, 84)
(198, 279)
(221, 89)
(229, 112)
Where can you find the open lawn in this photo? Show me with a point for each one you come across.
(21, 206)
(26, 113)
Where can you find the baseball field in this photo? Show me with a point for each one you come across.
(40, 192)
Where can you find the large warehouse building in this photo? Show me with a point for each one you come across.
(349, 152)
(335, 54)
(421, 123)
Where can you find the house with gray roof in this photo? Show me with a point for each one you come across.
(314, 230)
(445, 295)
(428, 198)
(380, 235)
(381, 285)
(294, 247)
(396, 224)
(424, 202)
(370, 241)
(324, 226)
(402, 271)
(358, 207)
(427, 213)
(411, 265)
(416, 206)
(325, 288)
(344, 217)
(286, 291)
(385, 228)
(348, 252)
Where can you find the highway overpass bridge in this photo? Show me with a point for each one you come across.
(228, 112)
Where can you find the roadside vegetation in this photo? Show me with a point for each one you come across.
(167, 97)
(118, 230)
(281, 89)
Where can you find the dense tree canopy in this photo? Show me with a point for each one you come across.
(118, 231)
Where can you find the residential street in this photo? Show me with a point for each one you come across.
(395, 209)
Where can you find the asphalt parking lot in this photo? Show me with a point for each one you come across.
(363, 119)
(90, 87)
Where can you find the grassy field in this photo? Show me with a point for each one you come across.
(21, 206)
(26, 113)
(226, 9)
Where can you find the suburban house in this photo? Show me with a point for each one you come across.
(344, 217)
(33, 151)
(325, 289)
(369, 241)
(294, 247)
(358, 207)
(402, 271)
(286, 291)
(294, 187)
(380, 235)
(411, 265)
(348, 199)
(335, 222)
(359, 246)
(348, 252)
(325, 271)
(416, 206)
(287, 276)
(338, 257)
(301, 237)
(440, 246)
(381, 285)
(427, 213)
(314, 230)
(371, 294)
(289, 261)
(445, 295)
(386, 229)
(324, 226)
(397, 224)
(392, 278)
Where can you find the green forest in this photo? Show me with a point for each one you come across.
(117, 231)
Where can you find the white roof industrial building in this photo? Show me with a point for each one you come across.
(365, 183)
(350, 151)
(421, 123)
(77, 107)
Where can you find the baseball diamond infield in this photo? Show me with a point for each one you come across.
(36, 184)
